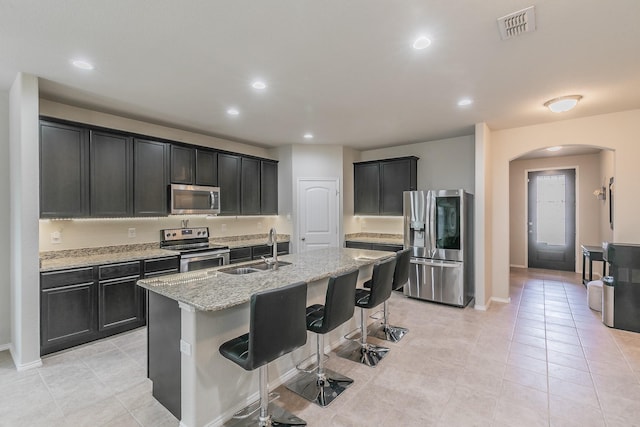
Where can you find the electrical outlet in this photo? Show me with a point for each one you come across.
(259, 226)
(132, 232)
(223, 227)
(56, 237)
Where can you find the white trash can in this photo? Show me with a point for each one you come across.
(594, 295)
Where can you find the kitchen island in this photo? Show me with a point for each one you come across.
(192, 314)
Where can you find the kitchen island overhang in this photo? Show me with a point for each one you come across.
(208, 307)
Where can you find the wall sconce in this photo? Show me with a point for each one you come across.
(600, 193)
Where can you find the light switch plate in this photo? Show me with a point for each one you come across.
(185, 348)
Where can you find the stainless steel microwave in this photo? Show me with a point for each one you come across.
(194, 199)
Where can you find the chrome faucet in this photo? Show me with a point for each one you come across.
(272, 240)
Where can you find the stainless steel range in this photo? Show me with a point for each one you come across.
(196, 253)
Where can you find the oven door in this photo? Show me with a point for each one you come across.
(202, 260)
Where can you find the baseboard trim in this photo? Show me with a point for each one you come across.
(4, 347)
(482, 307)
(517, 266)
(501, 300)
(25, 366)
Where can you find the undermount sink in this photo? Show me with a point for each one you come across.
(252, 268)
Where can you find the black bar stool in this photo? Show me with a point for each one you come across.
(400, 278)
(380, 291)
(276, 327)
(324, 385)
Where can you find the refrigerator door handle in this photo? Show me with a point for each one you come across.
(436, 263)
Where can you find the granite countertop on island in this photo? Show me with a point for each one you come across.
(212, 290)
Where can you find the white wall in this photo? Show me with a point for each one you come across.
(588, 178)
(24, 208)
(482, 218)
(5, 288)
(445, 164)
(95, 233)
(616, 131)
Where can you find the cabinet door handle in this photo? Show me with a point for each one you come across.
(303, 239)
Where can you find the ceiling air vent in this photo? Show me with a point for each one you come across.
(514, 24)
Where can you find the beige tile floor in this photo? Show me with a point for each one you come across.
(543, 360)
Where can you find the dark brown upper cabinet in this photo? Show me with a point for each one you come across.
(379, 184)
(268, 188)
(150, 177)
(64, 171)
(111, 166)
(206, 167)
(229, 168)
(182, 164)
(250, 186)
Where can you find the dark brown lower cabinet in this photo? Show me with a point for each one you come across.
(120, 304)
(248, 253)
(388, 247)
(67, 316)
(85, 304)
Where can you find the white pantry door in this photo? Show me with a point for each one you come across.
(317, 213)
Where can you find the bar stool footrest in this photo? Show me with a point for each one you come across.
(250, 409)
(354, 335)
(310, 364)
(278, 417)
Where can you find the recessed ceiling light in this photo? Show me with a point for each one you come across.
(421, 42)
(259, 85)
(233, 111)
(562, 104)
(308, 135)
(465, 101)
(558, 148)
(83, 65)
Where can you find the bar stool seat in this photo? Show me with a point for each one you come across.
(324, 385)
(276, 327)
(400, 278)
(381, 281)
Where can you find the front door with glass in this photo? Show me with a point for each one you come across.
(551, 224)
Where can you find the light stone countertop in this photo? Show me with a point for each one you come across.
(246, 242)
(86, 257)
(90, 258)
(212, 290)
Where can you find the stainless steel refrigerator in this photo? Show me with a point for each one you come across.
(438, 228)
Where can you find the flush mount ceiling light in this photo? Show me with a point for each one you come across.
(258, 84)
(82, 64)
(464, 102)
(562, 104)
(233, 111)
(421, 42)
(558, 148)
(308, 135)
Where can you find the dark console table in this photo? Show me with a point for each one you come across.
(593, 253)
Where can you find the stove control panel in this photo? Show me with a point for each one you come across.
(184, 233)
